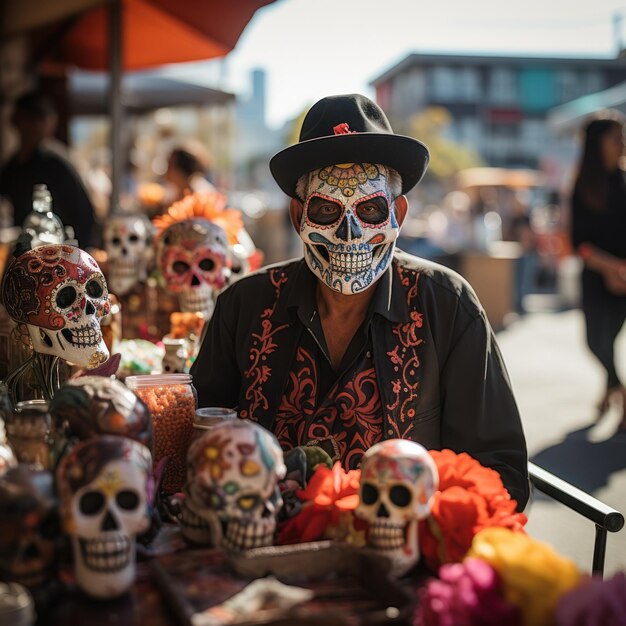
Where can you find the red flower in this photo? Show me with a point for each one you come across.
(470, 497)
(329, 495)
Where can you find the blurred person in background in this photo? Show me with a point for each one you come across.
(35, 163)
(187, 170)
(599, 237)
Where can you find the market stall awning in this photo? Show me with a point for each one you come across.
(141, 92)
(154, 32)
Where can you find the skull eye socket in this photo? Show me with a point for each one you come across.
(369, 493)
(127, 500)
(94, 289)
(322, 211)
(373, 210)
(66, 297)
(133, 239)
(91, 503)
(49, 527)
(180, 267)
(116, 241)
(206, 265)
(400, 495)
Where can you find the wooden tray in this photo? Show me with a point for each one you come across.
(350, 586)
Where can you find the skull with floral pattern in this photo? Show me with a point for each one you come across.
(60, 294)
(232, 495)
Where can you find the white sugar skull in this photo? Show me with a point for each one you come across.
(128, 243)
(232, 494)
(192, 256)
(106, 493)
(349, 224)
(59, 292)
(175, 357)
(398, 482)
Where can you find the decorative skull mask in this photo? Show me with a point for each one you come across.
(398, 482)
(128, 243)
(28, 526)
(349, 224)
(192, 257)
(59, 292)
(95, 405)
(232, 494)
(106, 494)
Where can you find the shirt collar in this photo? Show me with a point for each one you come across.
(299, 298)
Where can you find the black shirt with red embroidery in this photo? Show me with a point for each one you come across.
(424, 365)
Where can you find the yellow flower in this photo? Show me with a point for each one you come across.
(534, 576)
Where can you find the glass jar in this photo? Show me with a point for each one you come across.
(172, 400)
(29, 434)
(208, 417)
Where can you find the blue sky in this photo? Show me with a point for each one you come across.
(312, 48)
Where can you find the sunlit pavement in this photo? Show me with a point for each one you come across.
(558, 384)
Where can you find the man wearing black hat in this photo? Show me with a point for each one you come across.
(359, 342)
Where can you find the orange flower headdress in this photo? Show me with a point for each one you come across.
(208, 205)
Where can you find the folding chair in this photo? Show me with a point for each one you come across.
(603, 516)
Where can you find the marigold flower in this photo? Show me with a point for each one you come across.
(533, 575)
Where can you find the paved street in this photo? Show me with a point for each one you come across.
(557, 384)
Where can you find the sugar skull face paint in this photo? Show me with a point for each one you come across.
(349, 225)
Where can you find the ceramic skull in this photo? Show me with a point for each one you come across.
(128, 243)
(398, 482)
(28, 526)
(349, 225)
(192, 256)
(106, 494)
(60, 294)
(232, 495)
(96, 405)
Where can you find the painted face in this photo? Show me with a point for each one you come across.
(349, 225)
(59, 292)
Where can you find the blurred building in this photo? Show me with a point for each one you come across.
(499, 105)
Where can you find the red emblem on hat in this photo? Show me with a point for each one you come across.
(343, 129)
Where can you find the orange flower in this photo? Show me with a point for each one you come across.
(470, 497)
(329, 499)
(209, 205)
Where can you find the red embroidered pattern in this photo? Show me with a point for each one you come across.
(262, 345)
(350, 414)
(404, 356)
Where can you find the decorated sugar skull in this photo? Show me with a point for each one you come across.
(128, 243)
(398, 482)
(192, 256)
(349, 224)
(60, 294)
(28, 526)
(232, 495)
(96, 405)
(106, 494)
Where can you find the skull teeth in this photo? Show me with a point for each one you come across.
(386, 535)
(354, 263)
(83, 337)
(123, 267)
(110, 554)
(255, 534)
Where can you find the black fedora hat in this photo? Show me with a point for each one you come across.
(348, 129)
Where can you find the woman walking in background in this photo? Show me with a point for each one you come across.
(599, 237)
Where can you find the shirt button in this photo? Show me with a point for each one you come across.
(390, 431)
(368, 354)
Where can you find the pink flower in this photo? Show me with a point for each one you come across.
(466, 594)
(594, 603)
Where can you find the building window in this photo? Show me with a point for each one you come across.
(469, 84)
(568, 85)
(503, 86)
(444, 85)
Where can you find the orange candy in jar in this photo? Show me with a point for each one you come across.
(172, 400)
